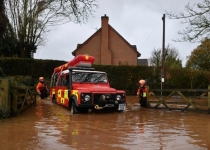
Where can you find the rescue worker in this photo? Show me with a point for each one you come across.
(41, 88)
(142, 93)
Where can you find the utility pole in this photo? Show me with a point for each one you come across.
(163, 56)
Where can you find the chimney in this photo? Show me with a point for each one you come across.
(105, 53)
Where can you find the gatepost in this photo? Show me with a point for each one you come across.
(5, 103)
(209, 99)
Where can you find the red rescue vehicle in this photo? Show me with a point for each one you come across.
(80, 87)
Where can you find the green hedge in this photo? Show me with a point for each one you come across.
(29, 67)
(121, 77)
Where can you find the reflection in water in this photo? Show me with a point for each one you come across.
(47, 126)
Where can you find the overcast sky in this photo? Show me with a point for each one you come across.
(138, 21)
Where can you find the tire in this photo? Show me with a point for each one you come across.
(54, 100)
(74, 109)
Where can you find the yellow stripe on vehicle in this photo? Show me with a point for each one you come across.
(66, 94)
(62, 100)
(75, 92)
(59, 93)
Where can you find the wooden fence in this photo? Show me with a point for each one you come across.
(180, 99)
(14, 99)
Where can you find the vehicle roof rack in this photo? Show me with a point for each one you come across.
(81, 68)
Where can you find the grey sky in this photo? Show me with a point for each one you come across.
(138, 21)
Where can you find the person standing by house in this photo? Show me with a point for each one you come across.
(142, 93)
(41, 88)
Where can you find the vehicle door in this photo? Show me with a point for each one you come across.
(63, 90)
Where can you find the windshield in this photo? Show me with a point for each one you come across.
(90, 77)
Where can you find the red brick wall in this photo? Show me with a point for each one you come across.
(119, 51)
(92, 47)
(108, 47)
(122, 52)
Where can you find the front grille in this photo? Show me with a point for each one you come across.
(104, 98)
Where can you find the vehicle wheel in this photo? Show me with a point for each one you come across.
(74, 109)
(54, 100)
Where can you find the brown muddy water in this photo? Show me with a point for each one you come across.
(48, 126)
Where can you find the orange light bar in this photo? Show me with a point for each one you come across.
(78, 61)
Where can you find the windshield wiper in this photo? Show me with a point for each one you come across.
(87, 78)
(97, 79)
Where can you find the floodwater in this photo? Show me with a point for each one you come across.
(47, 126)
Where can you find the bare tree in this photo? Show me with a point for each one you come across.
(156, 58)
(197, 18)
(30, 19)
(2, 18)
(172, 59)
(8, 41)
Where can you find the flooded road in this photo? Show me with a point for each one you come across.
(47, 126)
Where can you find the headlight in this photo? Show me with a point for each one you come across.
(87, 98)
(118, 97)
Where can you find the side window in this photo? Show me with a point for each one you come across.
(54, 79)
(65, 80)
(52, 82)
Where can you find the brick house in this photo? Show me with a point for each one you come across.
(108, 47)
